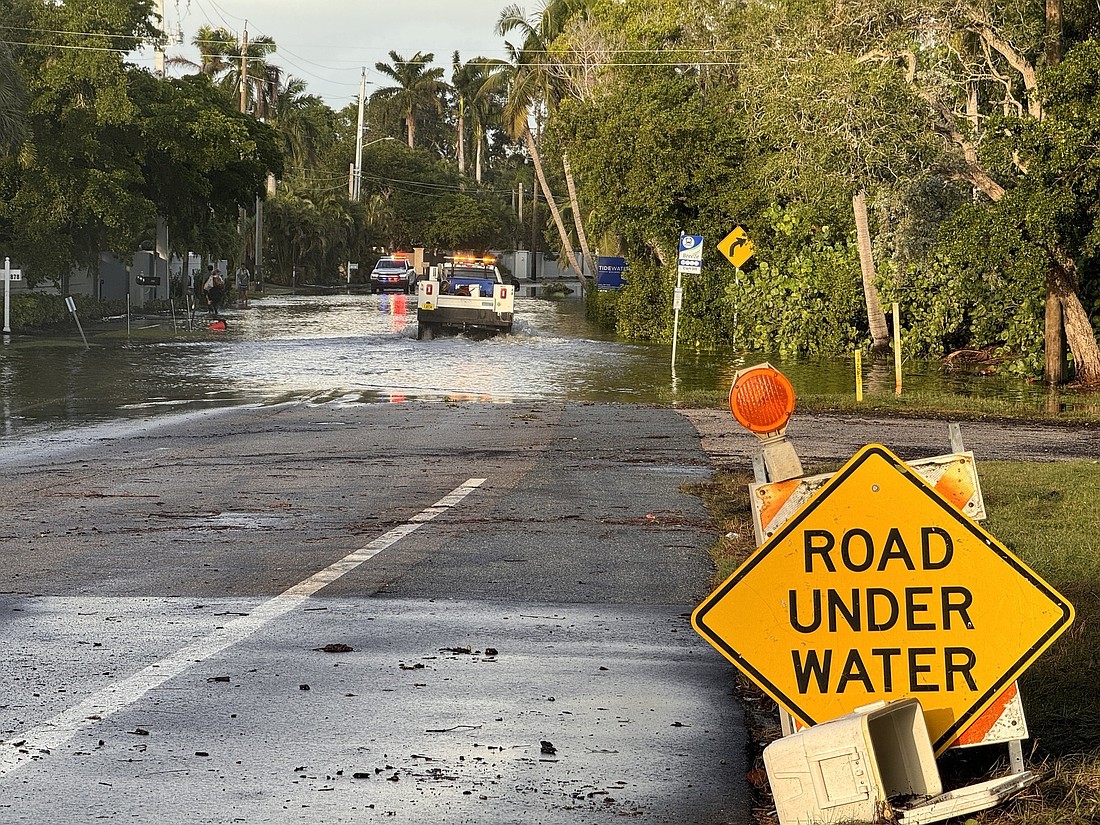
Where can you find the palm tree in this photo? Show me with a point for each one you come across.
(533, 81)
(220, 58)
(418, 87)
(303, 121)
(216, 47)
(475, 107)
(479, 105)
(13, 103)
(466, 79)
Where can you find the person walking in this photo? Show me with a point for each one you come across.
(242, 278)
(214, 288)
(197, 297)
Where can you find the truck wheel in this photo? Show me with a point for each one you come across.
(424, 332)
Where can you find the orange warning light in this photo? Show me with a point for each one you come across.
(762, 399)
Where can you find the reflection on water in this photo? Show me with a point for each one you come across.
(357, 348)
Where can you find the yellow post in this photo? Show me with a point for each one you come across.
(897, 350)
(859, 375)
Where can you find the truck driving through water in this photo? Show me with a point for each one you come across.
(465, 295)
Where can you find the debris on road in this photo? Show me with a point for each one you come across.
(335, 648)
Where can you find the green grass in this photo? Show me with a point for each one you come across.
(1048, 515)
(1057, 406)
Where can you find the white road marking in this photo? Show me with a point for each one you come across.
(54, 733)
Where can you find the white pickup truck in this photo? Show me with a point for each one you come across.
(464, 298)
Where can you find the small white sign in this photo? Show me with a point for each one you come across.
(678, 298)
(15, 274)
(71, 304)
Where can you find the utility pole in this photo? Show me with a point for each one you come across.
(519, 221)
(534, 229)
(244, 69)
(258, 252)
(260, 264)
(357, 184)
(162, 223)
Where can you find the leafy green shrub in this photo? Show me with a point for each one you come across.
(805, 295)
(602, 307)
(38, 312)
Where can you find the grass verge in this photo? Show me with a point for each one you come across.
(1056, 406)
(1049, 516)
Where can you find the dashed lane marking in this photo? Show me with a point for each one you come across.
(53, 733)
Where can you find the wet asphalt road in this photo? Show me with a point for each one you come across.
(506, 586)
(834, 438)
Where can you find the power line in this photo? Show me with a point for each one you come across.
(388, 183)
(448, 187)
(73, 33)
(351, 67)
(70, 48)
(218, 11)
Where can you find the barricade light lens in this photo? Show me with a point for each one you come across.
(762, 399)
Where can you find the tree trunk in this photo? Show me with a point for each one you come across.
(534, 229)
(876, 318)
(1054, 32)
(659, 251)
(578, 220)
(1082, 341)
(1078, 328)
(566, 247)
(1056, 369)
(461, 148)
(1054, 327)
(410, 127)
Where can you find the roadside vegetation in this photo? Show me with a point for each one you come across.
(1045, 514)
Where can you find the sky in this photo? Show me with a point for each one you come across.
(327, 43)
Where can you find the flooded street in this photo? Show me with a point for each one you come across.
(352, 348)
(363, 349)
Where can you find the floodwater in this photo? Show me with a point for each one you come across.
(363, 349)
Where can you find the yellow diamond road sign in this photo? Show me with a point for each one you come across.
(878, 588)
(737, 247)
